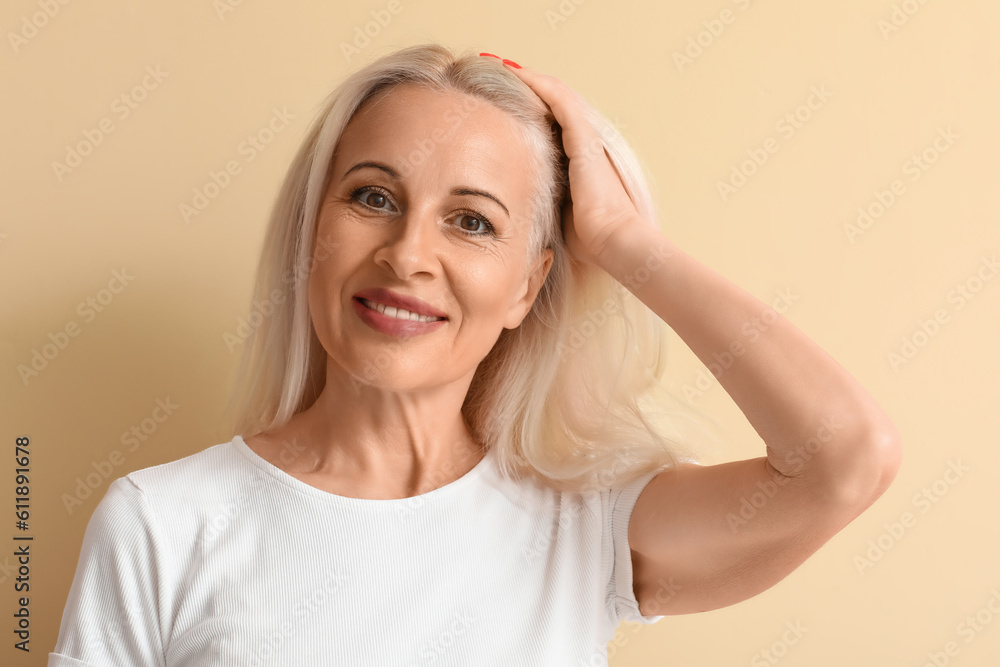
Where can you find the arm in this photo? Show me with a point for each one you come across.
(721, 534)
(725, 533)
(113, 611)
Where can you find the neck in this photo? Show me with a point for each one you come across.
(396, 441)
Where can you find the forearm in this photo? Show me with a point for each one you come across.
(789, 388)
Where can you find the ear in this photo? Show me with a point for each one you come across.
(532, 284)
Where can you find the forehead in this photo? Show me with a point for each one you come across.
(413, 107)
(445, 137)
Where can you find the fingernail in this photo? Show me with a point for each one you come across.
(491, 55)
(511, 63)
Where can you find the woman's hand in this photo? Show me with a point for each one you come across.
(599, 206)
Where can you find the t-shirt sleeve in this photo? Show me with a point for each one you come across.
(112, 614)
(621, 600)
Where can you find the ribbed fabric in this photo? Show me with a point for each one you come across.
(221, 558)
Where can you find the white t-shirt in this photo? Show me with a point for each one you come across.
(222, 558)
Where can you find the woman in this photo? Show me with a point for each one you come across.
(455, 458)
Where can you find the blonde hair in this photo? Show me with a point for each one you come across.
(574, 394)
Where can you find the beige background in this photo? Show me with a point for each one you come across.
(890, 89)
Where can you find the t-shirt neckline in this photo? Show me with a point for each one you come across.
(288, 480)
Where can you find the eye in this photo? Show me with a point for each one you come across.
(474, 224)
(373, 197)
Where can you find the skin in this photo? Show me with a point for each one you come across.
(695, 546)
(388, 423)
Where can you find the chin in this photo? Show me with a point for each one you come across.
(379, 369)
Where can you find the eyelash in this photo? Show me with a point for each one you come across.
(490, 230)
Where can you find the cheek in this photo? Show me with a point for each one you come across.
(485, 289)
(334, 252)
(330, 230)
(319, 307)
(325, 288)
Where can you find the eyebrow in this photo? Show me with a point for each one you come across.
(392, 174)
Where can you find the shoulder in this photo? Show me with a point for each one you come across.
(183, 490)
(202, 470)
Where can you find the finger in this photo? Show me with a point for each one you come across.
(581, 141)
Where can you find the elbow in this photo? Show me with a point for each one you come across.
(888, 455)
(871, 468)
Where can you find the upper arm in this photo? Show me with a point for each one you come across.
(112, 614)
(705, 537)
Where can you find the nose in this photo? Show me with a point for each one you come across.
(409, 245)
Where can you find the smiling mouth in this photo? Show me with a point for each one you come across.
(397, 313)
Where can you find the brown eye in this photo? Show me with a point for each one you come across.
(469, 223)
(473, 224)
(373, 198)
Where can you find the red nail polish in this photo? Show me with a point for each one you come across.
(511, 63)
(491, 56)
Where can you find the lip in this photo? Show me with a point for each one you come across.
(392, 326)
(390, 298)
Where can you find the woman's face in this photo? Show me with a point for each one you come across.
(428, 199)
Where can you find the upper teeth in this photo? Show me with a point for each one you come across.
(398, 313)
